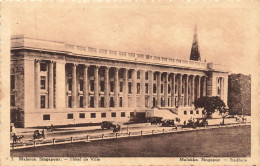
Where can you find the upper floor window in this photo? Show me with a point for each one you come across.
(69, 84)
(81, 85)
(43, 101)
(43, 67)
(138, 74)
(43, 82)
(12, 81)
(12, 100)
(146, 75)
(92, 85)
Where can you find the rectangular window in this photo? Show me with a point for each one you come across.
(46, 117)
(43, 82)
(138, 74)
(12, 86)
(102, 86)
(111, 86)
(82, 115)
(91, 85)
(112, 102)
(129, 87)
(154, 88)
(191, 112)
(169, 89)
(113, 114)
(154, 101)
(69, 84)
(92, 115)
(12, 100)
(161, 88)
(197, 112)
(70, 101)
(161, 78)
(146, 75)
(129, 74)
(81, 85)
(43, 67)
(92, 101)
(182, 88)
(69, 116)
(175, 89)
(103, 115)
(154, 76)
(120, 101)
(138, 88)
(81, 101)
(122, 114)
(43, 101)
(146, 88)
(121, 86)
(102, 99)
(132, 115)
(185, 112)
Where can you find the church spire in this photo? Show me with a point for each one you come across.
(195, 53)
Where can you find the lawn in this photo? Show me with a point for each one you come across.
(219, 142)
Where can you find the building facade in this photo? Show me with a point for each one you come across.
(58, 83)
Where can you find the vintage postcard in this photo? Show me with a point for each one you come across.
(130, 82)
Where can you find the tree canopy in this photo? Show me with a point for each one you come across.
(210, 104)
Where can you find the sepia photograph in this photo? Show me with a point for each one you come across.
(167, 81)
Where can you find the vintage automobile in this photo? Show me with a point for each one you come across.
(190, 124)
(107, 125)
(201, 122)
(168, 123)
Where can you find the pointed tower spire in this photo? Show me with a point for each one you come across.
(195, 53)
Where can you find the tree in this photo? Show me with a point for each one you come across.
(210, 105)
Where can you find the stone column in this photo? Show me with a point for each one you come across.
(125, 88)
(192, 89)
(37, 84)
(158, 89)
(142, 88)
(198, 87)
(106, 90)
(204, 86)
(180, 90)
(116, 87)
(150, 90)
(134, 88)
(186, 95)
(85, 87)
(96, 87)
(173, 90)
(51, 84)
(74, 86)
(166, 90)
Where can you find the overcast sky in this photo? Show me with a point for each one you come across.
(227, 34)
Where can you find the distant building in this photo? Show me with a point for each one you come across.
(59, 83)
(239, 94)
(195, 52)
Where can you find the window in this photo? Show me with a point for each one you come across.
(12, 86)
(111, 86)
(182, 88)
(138, 88)
(175, 88)
(197, 112)
(92, 115)
(92, 101)
(146, 88)
(91, 85)
(102, 104)
(138, 74)
(103, 115)
(129, 74)
(69, 84)
(185, 112)
(82, 115)
(154, 101)
(43, 66)
(46, 117)
(154, 88)
(121, 86)
(154, 76)
(169, 89)
(122, 114)
(129, 87)
(102, 86)
(132, 114)
(12, 100)
(161, 78)
(146, 75)
(43, 82)
(81, 101)
(112, 102)
(113, 114)
(81, 85)
(161, 88)
(191, 112)
(120, 101)
(43, 101)
(69, 116)
(70, 101)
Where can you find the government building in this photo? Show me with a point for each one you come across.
(59, 83)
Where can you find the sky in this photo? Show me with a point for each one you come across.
(227, 32)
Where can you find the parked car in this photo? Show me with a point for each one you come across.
(190, 124)
(168, 123)
(201, 122)
(107, 125)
